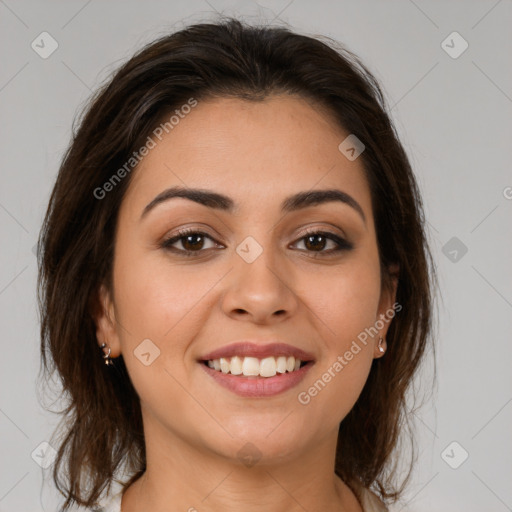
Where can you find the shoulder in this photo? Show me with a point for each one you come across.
(111, 503)
(371, 502)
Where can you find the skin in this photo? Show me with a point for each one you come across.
(257, 154)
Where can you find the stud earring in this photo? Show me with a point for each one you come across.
(108, 359)
(380, 348)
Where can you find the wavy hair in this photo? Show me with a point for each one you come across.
(101, 428)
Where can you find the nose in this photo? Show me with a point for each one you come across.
(261, 291)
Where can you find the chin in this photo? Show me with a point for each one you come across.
(261, 441)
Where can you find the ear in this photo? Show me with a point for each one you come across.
(387, 306)
(105, 321)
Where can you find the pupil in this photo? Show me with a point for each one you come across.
(315, 246)
(191, 246)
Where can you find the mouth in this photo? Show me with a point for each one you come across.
(252, 370)
(254, 367)
(256, 386)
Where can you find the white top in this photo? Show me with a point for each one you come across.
(370, 502)
(111, 503)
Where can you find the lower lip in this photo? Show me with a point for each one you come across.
(254, 386)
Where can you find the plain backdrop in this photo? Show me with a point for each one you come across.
(452, 106)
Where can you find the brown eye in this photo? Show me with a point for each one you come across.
(190, 240)
(317, 241)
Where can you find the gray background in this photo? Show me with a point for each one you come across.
(454, 118)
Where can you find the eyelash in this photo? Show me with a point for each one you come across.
(343, 245)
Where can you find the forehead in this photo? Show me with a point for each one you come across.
(257, 150)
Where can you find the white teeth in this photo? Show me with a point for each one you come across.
(268, 366)
(236, 366)
(252, 366)
(281, 364)
(224, 365)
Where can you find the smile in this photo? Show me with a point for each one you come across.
(255, 385)
(252, 366)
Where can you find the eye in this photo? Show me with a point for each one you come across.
(193, 242)
(316, 241)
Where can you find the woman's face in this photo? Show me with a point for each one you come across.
(256, 273)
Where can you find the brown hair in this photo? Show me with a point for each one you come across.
(102, 427)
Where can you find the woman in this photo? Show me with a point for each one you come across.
(237, 233)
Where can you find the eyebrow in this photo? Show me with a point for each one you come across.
(218, 201)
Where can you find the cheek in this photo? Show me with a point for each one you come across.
(346, 304)
(345, 300)
(148, 307)
(157, 307)
(334, 389)
(154, 296)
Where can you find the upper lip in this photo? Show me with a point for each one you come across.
(250, 349)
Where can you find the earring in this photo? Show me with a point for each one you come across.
(108, 359)
(380, 347)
